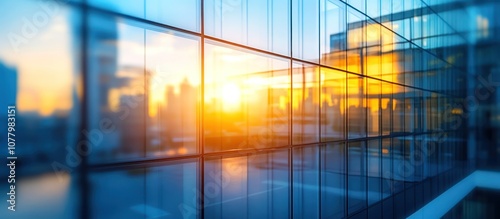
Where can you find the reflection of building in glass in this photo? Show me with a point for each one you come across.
(251, 108)
(178, 129)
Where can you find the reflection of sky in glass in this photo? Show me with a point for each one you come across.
(239, 70)
(318, 81)
(42, 88)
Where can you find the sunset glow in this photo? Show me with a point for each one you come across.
(231, 96)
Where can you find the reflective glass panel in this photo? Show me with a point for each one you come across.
(372, 62)
(173, 88)
(247, 99)
(333, 189)
(355, 41)
(253, 186)
(147, 77)
(162, 11)
(374, 110)
(305, 34)
(387, 167)
(184, 14)
(409, 110)
(152, 191)
(305, 104)
(133, 8)
(356, 107)
(386, 108)
(333, 35)
(333, 104)
(356, 176)
(40, 109)
(398, 163)
(398, 109)
(306, 184)
(257, 23)
(116, 89)
(374, 171)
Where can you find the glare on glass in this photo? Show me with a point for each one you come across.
(247, 99)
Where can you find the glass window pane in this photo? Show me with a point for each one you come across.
(41, 98)
(173, 87)
(355, 41)
(153, 192)
(305, 104)
(333, 104)
(386, 9)
(439, 112)
(398, 109)
(356, 177)
(373, 9)
(374, 169)
(409, 65)
(257, 23)
(333, 41)
(306, 182)
(116, 88)
(358, 4)
(183, 14)
(254, 186)
(305, 31)
(356, 105)
(373, 60)
(409, 164)
(387, 51)
(409, 110)
(162, 11)
(133, 8)
(398, 59)
(416, 32)
(374, 90)
(247, 99)
(387, 168)
(44, 112)
(433, 155)
(427, 110)
(419, 111)
(333, 189)
(143, 62)
(398, 165)
(386, 107)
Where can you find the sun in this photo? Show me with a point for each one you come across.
(231, 96)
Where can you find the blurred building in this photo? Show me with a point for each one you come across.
(253, 108)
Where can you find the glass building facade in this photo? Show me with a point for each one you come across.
(244, 108)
